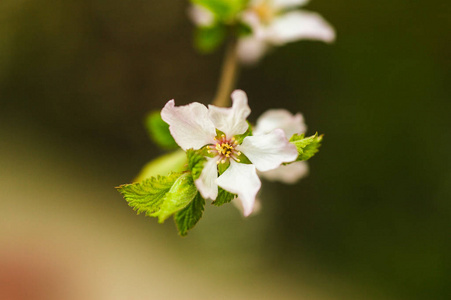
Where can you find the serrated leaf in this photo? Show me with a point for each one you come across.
(223, 197)
(196, 161)
(181, 193)
(159, 131)
(173, 162)
(306, 146)
(148, 196)
(188, 217)
(208, 39)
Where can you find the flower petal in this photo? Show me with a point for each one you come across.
(189, 124)
(251, 49)
(268, 151)
(241, 179)
(298, 25)
(239, 205)
(284, 4)
(206, 183)
(201, 16)
(231, 120)
(287, 174)
(280, 118)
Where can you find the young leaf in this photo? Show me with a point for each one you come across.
(159, 131)
(178, 197)
(196, 160)
(147, 196)
(208, 39)
(225, 10)
(307, 147)
(223, 197)
(188, 217)
(172, 162)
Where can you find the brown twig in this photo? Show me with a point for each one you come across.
(229, 75)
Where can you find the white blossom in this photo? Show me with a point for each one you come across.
(290, 124)
(275, 23)
(201, 16)
(194, 126)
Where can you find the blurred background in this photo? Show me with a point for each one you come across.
(372, 221)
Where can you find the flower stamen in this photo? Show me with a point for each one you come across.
(224, 148)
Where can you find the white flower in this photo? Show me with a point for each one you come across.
(194, 126)
(201, 16)
(275, 23)
(290, 124)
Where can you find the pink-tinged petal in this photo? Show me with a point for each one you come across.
(299, 25)
(201, 16)
(287, 173)
(268, 151)
(284, 4)
(251, 50)
(206, 183)
(231, 120)
(280, 118)
(189, 124)
(239, 205)
(241, 179)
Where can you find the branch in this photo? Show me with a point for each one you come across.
(228, 76)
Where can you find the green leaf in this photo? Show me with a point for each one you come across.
(173, 162)
(223, 197)
(307, 147)
(224, 10)
(188, 217)
(178, 197)
(148, 196)
(196, 161)
(159, 131)
(208, 39)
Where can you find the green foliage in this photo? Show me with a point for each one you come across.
(172, 162)
(307, 146)
(208, 39)
(223, 197)
(162, 196)
(148, 196)
(196, 161)
(242, 30)
(178, 197)
(188, 217)
(224, 10)
(159, 131)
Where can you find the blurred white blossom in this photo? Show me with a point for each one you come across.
(275, 23)
(201, 16)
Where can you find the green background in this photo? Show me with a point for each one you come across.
(372, 221)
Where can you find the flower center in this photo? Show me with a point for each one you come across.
(225, 148)
(264, 11)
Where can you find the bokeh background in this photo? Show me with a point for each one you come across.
(372, 221)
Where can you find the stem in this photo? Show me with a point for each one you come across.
(228, 75)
